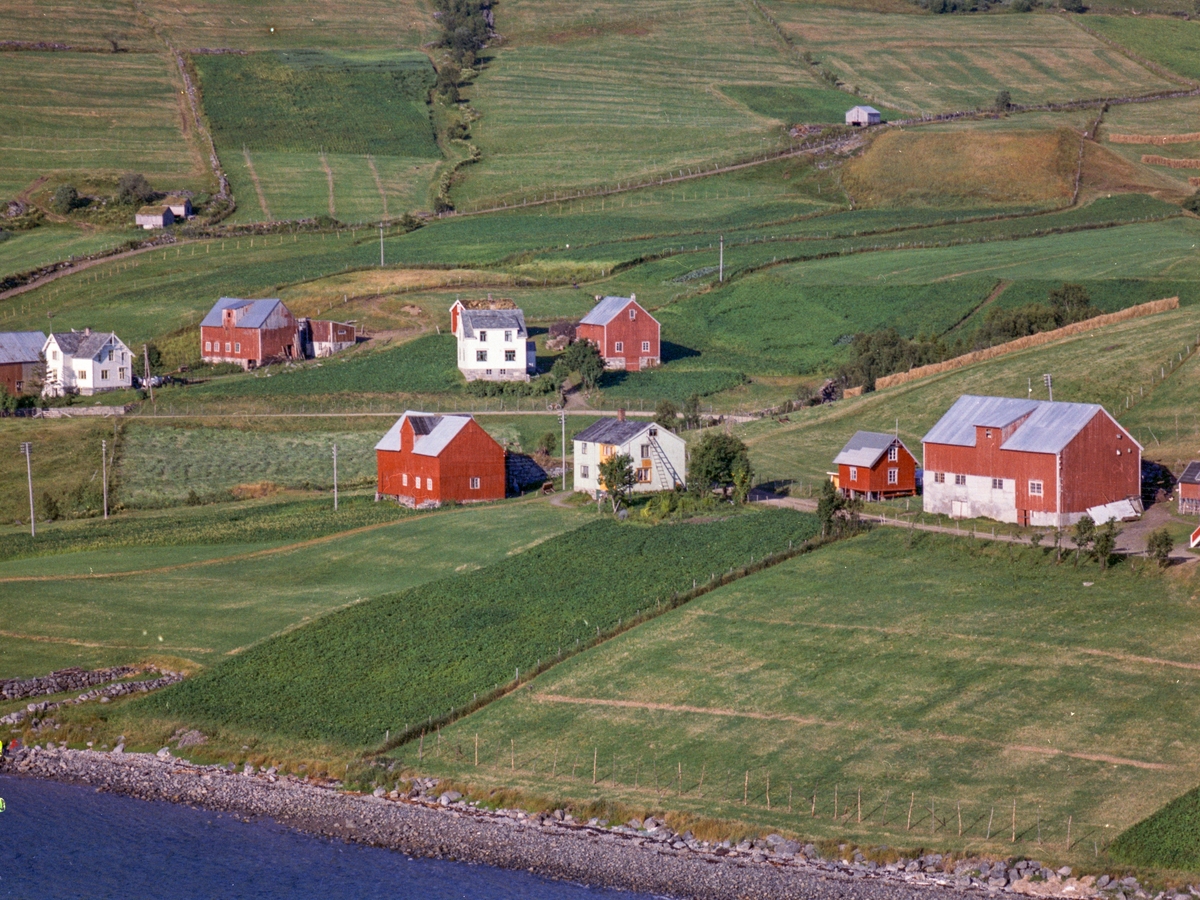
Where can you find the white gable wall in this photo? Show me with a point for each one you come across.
(110, 369)
(652, 475)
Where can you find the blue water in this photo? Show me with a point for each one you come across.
(67, 841)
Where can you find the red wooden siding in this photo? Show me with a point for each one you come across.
(630, 333)
(874, 480)
(472, 453)
(1093, 473)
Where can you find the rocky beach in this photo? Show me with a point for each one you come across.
(643, 856)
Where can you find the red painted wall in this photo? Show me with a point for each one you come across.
(472, 454)
(12, 373)
(1093, 473)
(275, 340)
(630, 333)
(874, 480)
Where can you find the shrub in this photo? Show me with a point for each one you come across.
(1192, 203)
(1159, 546)
(547, 443)
(132, 187)
(65, 199)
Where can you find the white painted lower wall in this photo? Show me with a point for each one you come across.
(974, 500)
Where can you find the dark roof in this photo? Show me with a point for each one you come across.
(1191, 475)
(20, 346)
(492, 319)
(254, 317)
(1050, 426)
(612, 431)
(81, 344)
(865, 448)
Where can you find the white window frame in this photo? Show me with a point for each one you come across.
(645, 346)
(237, 346)
(81, 374)
(404, 479)
(474, 483)
(508, 337)
(854, 473)
(960, 480)
(893, 476)
(632, 314)
(893, 453)
(428, 483)
(1036, 488)
(510, 355)
(480, 356)
(997, 484)
(227, 347)
(483, 336)
(583, 471)
(208, 346)
(619, 347)
(104, 374)
(939, 477)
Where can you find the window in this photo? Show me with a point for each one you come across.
(997, 484)
(939, 477)
(480, 356)
(237, 346)
(429, 483)
(854, 473)
(583, 472)
(1035, 489)
(20, 386)
(583, 448)
(227, 346)
(507, 336)
(404, 479)
(893, 453)
(122, 356)
(645, 346)
(510, 355)
(504, 371)
(483, 335)
(104, 374)
(987, 433)
(893, 476)
(645, 451)
(487, 371)
(633, 314)
(54, 354)
(960, 480)
(474, 484)
(121, 374)
(643, 475)
(82, 373)
(208, 346)
(619, 346)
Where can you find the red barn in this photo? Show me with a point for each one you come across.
(876, 466)
(1032, 462)
(250, 333)
(426, 459)
(20, 353)
(626, 335)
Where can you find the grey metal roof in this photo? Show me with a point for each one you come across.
(865, 448)
(1049, 428)
(492, 320)
(612, 431)
(867, 109)
(20, 346)
(603, 312)
(1191, 475)
(254, 317)
(433, 432)
(81, 344)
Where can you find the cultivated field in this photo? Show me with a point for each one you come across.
(931, 64)
(80, 23)
(925, 671)
(1168, 42)
(67, 114)
(25, 250)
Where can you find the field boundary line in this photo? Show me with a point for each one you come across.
(329, 179)
(378, 183)
(262, 199)
(75, 642)
(1157, 68)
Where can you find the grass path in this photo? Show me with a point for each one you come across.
(262, 198)
(329, 178)
(378, 184)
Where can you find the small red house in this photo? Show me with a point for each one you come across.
(426, 459)
(249, 333)
(1189, 490)
(1032, 462)
(875, 466)
(626, 335)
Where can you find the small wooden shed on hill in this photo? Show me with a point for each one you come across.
(150, 217)
(860, 116)
(875, 466)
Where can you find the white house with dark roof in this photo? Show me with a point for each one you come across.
(659, 455)
(86, 362)
(493, 343)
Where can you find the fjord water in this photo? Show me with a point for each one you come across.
(67, 841)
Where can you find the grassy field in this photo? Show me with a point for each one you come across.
(946, 670)
(351, 676)
(80, 23)
(96, 114)
(201, 600)
(1166, 41)
(929, 64)
(25, 250)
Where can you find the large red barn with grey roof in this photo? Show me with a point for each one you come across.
(426, 459)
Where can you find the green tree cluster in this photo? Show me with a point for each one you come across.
(721, 460)
(580, 358)
(616, 475)
(465, 27)
(132, 187)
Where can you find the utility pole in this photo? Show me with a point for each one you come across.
(26, 447)
(721, 262)
(562, 420)
(381, 245)
(104, 472)
(146, 359)
(1049, 385)
(335, 497)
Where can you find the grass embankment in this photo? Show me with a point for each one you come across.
(417, 655)
(1167, 839)
(916, 668)
(200, 583)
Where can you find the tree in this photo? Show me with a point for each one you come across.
(1058, 539)
(8, 402)
(714, 459)
(547, 443)
(1159, 546)
(584, 358)
(691, 412)
(616, 474)
(1192, 203)
(1035, 539)
(743, 479)
(666, 414)
(66, 198)
(37, 377)
(132, 187)
(1083, 535)
(1003, 101)
(448, 76)
(1105, 542)
(50, 510)
(829, 505)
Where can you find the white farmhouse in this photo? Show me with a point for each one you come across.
(659, 455)
(493, 343)
(86, 362)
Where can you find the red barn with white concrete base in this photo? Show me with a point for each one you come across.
(1032, 462)
(626, 335)
(250, 333)
(425, 460)
(875, 466)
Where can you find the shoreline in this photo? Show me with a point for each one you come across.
(624, 859)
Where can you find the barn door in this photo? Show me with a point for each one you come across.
(958, 509)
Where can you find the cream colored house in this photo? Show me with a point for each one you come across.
(659, 455)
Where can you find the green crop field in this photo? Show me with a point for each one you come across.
(1166, 41)
(22, 251)
(930, 64)
(91, 113)
(227, 587)
(353, 675)
(1165, 840)
(925, 667)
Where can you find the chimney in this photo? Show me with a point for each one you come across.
(621, 415)
(633, 297)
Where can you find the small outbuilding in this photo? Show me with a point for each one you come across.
(875, 466)
(425, 460)
(151, 217)
(1189, 490)
(19, 352)
(181, 207)
(320, 338)
(861, 116)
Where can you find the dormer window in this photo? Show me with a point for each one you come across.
(988, 433)
(483, 335)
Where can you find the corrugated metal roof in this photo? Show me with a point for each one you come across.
(866, 109)
(612, 431)
(957, 426)
(1049, 428)
(864, 449)
(80, 344)
(20, 346)
(433, 432)
(1126, 510)
(603, 312)
(254, 317)
(1191, 475)
(492, 319)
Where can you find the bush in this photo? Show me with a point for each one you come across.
(547, 443)
(1192, 203)
(65, 199)
(1159, 546)
(132, 187)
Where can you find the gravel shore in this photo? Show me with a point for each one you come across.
(623, 858)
